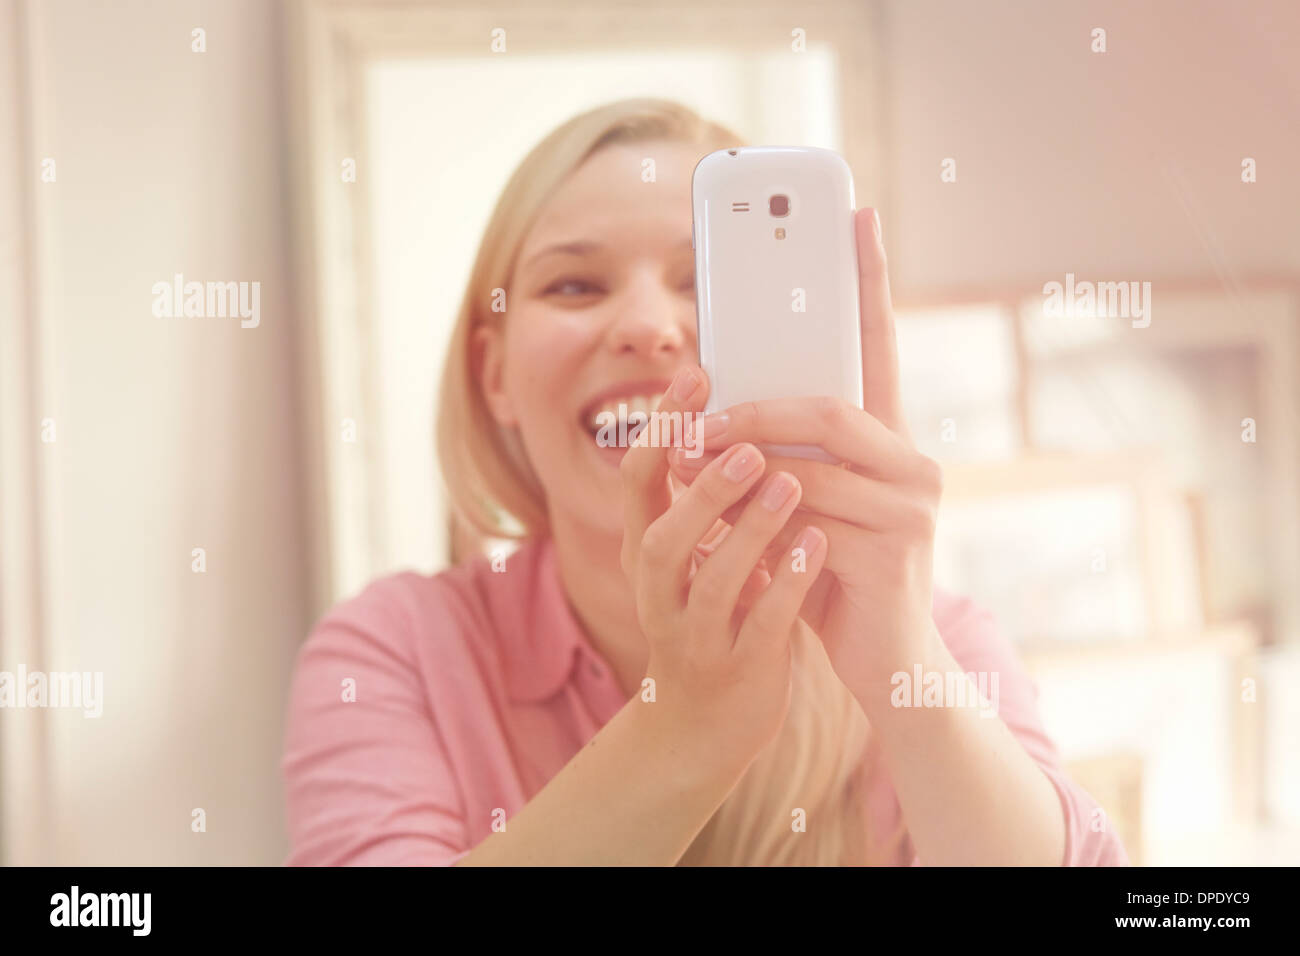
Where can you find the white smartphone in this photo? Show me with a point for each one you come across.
(776, 277)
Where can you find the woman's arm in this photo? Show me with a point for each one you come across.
(970, 793)
(636, 795)
(369, 780)
(972, 644)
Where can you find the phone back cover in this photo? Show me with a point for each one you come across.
(754, 342)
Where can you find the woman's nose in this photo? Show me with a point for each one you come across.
(652, 318)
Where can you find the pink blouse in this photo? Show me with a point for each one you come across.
(424, 703)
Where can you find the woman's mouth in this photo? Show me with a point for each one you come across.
(614, 416)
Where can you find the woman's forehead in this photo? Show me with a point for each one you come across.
(654, 162)
(601, 199)
(627, 175)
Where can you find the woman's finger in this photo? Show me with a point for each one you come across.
(843, 494)
(840, 428)
(851, 548)
(834, 491)
(718, 583)
(773, 613)
(756, 584)
(671, 539)
(646, 491)
(880, 380)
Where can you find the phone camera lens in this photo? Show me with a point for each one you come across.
(779, 206)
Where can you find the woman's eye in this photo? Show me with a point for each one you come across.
(567, 284)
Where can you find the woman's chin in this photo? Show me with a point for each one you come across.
(593, 489)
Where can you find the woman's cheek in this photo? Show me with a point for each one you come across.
(543, 363)
(545, 349)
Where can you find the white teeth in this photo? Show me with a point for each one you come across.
(621, 405)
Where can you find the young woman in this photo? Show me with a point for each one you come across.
(650, 678)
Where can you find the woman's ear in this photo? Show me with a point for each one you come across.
(488, 348)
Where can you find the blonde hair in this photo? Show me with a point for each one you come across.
(819, 761)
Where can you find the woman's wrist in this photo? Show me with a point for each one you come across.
(877, 692)
(689, 750)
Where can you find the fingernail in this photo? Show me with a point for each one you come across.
(810, 539)
(777, 492)
(684, 384)
(875, 221)
(709, 427)
(743, 463)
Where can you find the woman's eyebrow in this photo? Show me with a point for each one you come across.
(577, 248)
(582, 247)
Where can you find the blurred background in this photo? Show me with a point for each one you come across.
(182, 498)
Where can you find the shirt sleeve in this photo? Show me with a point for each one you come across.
(975, 642)
(367, 779)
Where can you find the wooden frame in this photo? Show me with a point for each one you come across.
(331, 44)
(1209, 315)
(25, 837)
(1236, 644)
(1037, 473)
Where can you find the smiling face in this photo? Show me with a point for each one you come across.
(600, 311)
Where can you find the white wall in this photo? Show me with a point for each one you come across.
(172, 434)
(1122, 165)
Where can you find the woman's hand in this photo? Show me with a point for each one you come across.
(872, 605)
(718, 625)
(969, 790)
